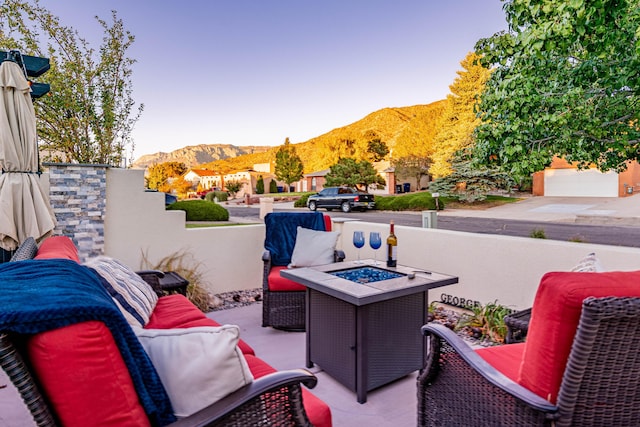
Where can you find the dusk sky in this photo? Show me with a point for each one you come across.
(254, 72)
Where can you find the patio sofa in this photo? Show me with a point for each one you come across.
(78, 375)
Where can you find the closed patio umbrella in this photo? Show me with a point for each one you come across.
(24, 207)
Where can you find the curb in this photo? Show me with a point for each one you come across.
(607, 220)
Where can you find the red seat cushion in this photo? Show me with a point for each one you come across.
(58, 247)
(280, 284)
(84, 376)
(327, 223)
(176, 311)
(554, 320)
(505, 358)
(318, 412)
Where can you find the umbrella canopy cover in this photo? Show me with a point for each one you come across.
(25, 210)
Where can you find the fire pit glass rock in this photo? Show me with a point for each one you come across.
(366, 274)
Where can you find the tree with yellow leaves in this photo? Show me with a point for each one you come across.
(459, 118)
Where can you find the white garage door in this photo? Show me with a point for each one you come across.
(584, 183)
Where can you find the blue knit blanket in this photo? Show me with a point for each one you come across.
(282, 230)
(40, 295)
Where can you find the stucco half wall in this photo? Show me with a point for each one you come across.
(137, 227)
(490, 267)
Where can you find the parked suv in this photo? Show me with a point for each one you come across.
(344, 198)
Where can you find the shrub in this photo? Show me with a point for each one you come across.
(302, 201)
(222, 196)
(273, 186)
(538, 233)
(486, 321)
(183, 263)
(201, 210)
(412, 202)
(260, 185)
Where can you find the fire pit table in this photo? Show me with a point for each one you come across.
(363, 320)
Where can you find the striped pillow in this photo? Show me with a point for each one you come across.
(134, 297)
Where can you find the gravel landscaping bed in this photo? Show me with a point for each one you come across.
(226, 300)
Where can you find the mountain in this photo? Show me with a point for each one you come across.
(405, 130)
(196, 155)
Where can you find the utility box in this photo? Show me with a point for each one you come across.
(429, 219)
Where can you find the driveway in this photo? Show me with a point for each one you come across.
(583, 210)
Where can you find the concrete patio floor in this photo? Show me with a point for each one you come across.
(393, 405)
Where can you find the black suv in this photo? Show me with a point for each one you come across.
(344, 198)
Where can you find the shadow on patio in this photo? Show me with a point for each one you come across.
(392, 405)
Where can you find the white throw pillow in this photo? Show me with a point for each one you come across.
(135, 298)
(197, 366)
(313, 247)
(590, 263)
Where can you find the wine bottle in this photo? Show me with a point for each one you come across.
(392, 248)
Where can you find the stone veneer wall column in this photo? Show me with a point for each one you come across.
(78, 199)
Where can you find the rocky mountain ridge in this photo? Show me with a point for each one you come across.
(195, 155)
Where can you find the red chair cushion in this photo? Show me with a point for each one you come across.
(280, 284)
(176, 311)
(58, 247)
(505, 358)
(84, 376)
(318, 412)
(327, 223)
(554, 320)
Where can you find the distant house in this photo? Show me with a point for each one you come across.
(563, 179)
(208, 179)
(312, 181)
(205, 177)
(315, 181)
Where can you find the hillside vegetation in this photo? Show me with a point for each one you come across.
(405, 130)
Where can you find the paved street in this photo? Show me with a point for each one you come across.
(610, 221)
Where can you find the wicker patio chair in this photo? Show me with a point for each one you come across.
(517, 326)
(599, 386)
(285, 308)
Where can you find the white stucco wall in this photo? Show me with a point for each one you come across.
(489, 267)
(137, 226)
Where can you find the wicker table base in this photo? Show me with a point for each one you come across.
(365, 335)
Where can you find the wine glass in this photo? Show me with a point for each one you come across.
(375, 242)
(358, 242)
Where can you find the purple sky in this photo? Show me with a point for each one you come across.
(254, 72)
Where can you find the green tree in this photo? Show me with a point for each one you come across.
(288, 167)
(414, 166)
(89, 114)
(469, 182)
(260, 185)
(352, 173)
(459, 119)
(565, 84)
(233, 187)
(158, 174)
(377, 149)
